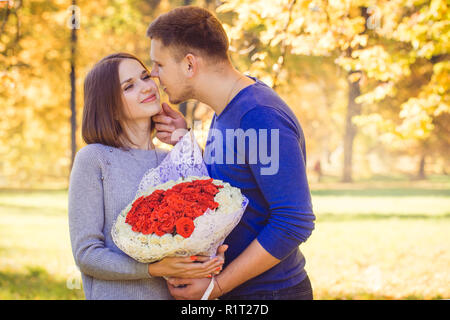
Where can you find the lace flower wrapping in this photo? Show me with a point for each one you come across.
(182, 164)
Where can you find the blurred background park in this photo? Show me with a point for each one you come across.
(368, 81)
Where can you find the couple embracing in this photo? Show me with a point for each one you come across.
(122, 113)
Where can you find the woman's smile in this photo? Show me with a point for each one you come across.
(150, 98)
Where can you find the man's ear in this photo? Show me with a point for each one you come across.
(191, 64)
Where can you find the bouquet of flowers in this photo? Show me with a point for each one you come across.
(178, 209)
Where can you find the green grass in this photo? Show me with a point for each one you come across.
(36, 258)
(383, 198)
(379, 258)
(36, 283)
(385, 239)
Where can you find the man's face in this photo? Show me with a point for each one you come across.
(170, 73)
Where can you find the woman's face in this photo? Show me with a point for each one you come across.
(140, 93)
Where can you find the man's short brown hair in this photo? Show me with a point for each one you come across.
(191, 27)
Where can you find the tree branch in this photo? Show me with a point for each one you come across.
(283, 47)
(5, 20)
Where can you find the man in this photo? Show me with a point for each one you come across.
(189, 51)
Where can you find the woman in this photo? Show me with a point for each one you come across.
(120, 99)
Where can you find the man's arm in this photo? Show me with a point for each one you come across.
(286, 191)
(253, 261)
(250, 263)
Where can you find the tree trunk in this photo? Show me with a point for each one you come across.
(73, 117)
(421, 173)
(353, 109)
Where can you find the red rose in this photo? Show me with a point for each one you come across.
(185, 227)
(157, 212)
(168, 224)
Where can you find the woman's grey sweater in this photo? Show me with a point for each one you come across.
(102, 183)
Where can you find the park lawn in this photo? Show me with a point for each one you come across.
(36, 258)
(387, 241)
(379, 259)
(380, 240)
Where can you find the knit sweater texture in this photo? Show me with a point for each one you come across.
(103, 182)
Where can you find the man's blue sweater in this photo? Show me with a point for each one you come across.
(257, 144)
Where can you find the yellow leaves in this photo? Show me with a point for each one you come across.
(346, 28)
(302, 45)
(340, 5)
(272, 37)
(34, 97)
(7, 80)
(427, 30)
(369, 124)
(441, 75)
(438, 9)
(315, 28)
(417, 119)
(359, 40)
(380, 92)
(376, 62)
(441, 108)
(354, 77)
(267, 79)
(227, 6)
(164, 5)
(433, 100)
(416, 124)
(110, 10)
(259, 29)
(61, 18)
(326, 43)
(245, 10)
(232, 33)
(426, 50)
(297, 23)
(259, 56)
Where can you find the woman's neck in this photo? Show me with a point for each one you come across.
(139, 135)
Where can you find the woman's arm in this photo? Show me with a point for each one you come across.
(86, 222)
